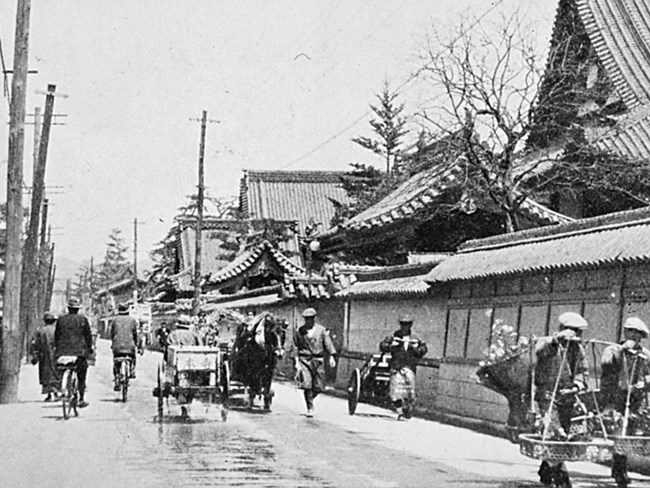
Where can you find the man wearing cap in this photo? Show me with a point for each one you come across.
(73, 337)
(124, 340)
(626, 375)
(183, 335)
(561, 366)
(311, 340)
(43, 353)
(406, 349)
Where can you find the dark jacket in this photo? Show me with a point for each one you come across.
(73, 337)
(401, 357)
(124, 334)
(549, 351)
(184, 337)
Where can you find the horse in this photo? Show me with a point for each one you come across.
(259, 343)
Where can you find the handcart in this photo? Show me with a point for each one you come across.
(371, 382)
(193, 373)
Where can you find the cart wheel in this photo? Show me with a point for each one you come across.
(354, 390)
(225, 382)
(160, 396)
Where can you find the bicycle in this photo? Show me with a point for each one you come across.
(69, 385)
(124, 373)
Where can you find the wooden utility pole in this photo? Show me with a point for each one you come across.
(135, 261)
(11, 334)
(196, 303)
(29, 306)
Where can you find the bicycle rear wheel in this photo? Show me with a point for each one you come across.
(70, 393)
(74, 401)
(124, 380)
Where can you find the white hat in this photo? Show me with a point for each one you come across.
(572, 320)
(636, 323)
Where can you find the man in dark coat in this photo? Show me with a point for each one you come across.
(73, 337)
(561, 372)
(311, 341)
(625, 383)
(406, 349)
(43, 353)
(183, 335)
(124, 338)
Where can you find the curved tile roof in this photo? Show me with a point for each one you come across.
(246, 261)
(411, 285)
(619, 31)
(592, 246)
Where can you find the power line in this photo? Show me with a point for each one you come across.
(412, 77)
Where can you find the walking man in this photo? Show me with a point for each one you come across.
(124, 339)
(73, 337)
(43, 353)
(311, 340)
(625, 384)
(561, 373)
(406, 349)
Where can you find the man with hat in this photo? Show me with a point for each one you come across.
(124, 340)
(561, 368)
(43, 353)
(73, 337)
(405, 349)
(625, 383)
(183, 335)
(311, 340)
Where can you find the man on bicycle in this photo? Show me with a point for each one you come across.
(124, 338)
(73, 337)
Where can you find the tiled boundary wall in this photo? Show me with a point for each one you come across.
(455, 320)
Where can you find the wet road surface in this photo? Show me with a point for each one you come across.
(112, 444)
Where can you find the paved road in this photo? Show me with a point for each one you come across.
(113, 444)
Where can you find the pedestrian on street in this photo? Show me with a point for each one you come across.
(44, 354)
(406, 349)
(311, 340)
(183, 335)
(73, 337)
(163, 337)
(124, 341)
(562, 364)
(625, 383)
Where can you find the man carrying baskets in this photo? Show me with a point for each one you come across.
(625, 382)
(561, 372)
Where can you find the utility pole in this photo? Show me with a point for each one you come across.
(196, 303)
(29, 306)
(11, 334)
(135, 261)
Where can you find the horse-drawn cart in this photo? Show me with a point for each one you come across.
(371, 382)
(193, 373)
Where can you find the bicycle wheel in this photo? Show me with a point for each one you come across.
(65, 389)
(74, 400)
(124, 379)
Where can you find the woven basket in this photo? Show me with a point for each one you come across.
(631, 445)
(596, 450)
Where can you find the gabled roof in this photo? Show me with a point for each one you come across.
(247, 260)
(622, 237)
(619, 31)
(421, 191)
(301, 196)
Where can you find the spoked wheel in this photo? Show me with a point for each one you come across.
(74, 401)
(160, 396)
(124, 380)
(354, 391)
(66, 399)
(225, 383)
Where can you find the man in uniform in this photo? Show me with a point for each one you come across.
(73, 337)
(406, 349)
(626, 374)
(43, 353)
(311, 340)
(124, 338)
(563, 355)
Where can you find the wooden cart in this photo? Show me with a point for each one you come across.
(191, 373)
(371, 382)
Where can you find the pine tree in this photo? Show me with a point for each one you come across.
(116, 265)
(388, 125)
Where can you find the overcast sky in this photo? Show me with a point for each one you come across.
(289, 83)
